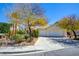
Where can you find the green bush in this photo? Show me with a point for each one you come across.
(26, 36)
(17, 38)
(21, 32)
(35, 33)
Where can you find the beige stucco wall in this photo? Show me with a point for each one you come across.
(52, 31)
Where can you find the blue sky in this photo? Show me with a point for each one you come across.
(53, 11)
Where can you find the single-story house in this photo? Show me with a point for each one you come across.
(52, 30)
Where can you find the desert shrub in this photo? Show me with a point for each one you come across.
(21, 32)
(35, 33)
(17, 38)
(26, 36)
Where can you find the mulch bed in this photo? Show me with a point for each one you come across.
(22, 43)
(26, 43)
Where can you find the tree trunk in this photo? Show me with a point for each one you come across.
(74, 34)
(71, 34)
(15, 28)
(30, 32)
(13, 31)
(68, 34)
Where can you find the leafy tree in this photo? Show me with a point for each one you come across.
(34, 19)
(70, 23)
(4, 27)
(32, 23)
(30, 15)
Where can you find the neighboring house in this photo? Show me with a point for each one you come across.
(52, 30)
